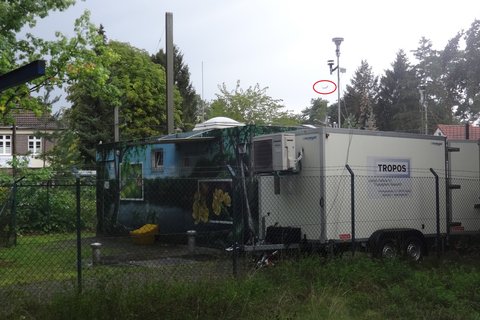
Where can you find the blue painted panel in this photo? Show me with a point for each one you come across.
(171, 161)
(109, 156)
(144, 153)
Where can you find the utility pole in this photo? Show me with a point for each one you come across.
(115, 124)
(169, 54)
(203, 103)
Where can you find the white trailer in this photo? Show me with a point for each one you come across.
(396, 204)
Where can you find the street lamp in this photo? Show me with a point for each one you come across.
(337, 42)
(423, 104)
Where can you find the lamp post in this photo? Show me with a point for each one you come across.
(337, 41)
(423, 105)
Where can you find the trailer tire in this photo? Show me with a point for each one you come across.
(414, 248)
(387, 249)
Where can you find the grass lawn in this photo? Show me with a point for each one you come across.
(308, 288)
(297, 288)
(40, 258)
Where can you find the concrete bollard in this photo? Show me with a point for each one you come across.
(191, 234)
(96, 253)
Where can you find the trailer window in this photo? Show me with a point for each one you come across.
(157, 160)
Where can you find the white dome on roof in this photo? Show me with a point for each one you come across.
(218, 123)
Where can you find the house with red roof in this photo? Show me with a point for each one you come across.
(458, 131)
(28, 140)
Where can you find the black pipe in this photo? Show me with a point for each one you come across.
(352, 205)
(437, 211)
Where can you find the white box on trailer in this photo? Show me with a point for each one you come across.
(394, 187)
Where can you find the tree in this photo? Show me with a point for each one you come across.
(452, 77)
(70, 60)
(181, 76)
(252, 105)
(316, 114)
(134, 83)
(65, 153)
(432, 71)
(360, 97)
(16, 51)
(398, 107)
(287, 119)
(469, 110)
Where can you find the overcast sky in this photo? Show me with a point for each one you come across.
(283, 45)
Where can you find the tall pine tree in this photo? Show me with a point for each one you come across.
(429, 71)
(453, 77)
(398, 107)
(470, 109)
(360, 96)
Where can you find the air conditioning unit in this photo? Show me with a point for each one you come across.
(274, 152)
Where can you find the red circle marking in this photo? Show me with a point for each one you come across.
(328, 82)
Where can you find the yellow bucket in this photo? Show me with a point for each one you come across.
(144, 235)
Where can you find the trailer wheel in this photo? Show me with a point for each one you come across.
(414, 249)
(387, 249)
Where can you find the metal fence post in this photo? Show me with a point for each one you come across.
(14, 214)
(191, 235)
(235, 259)
(79, 238)
(352, 205)
(14, 209)
(437, 210)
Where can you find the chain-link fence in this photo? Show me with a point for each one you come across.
(38, 253)
(74, 234)
(61, 235)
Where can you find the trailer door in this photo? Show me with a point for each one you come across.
(464, 186)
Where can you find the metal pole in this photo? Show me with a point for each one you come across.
(352, 205)
(191, 235)
(426, 116)
(421, 90)
(235, 259)
(437, 210)
(14, 150)
(14, 214)
(170, 79)
(338, 41)
(14, 210)
(116, 124)
(338, 88)
(203, 103)
(79, 239)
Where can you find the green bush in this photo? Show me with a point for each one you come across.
(53, 209)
